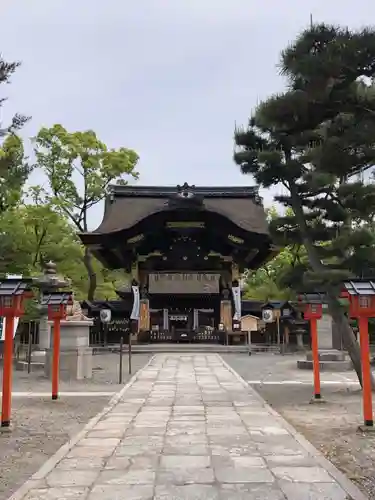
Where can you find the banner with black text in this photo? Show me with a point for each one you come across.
(236, 292)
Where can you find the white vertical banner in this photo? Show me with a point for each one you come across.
(136, 303)
(3, 320)
(236, 292)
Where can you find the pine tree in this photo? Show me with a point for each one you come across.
(14, 169)
(318, 141)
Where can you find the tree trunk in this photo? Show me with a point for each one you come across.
(335, 310)
(87, 260)
(348, 337)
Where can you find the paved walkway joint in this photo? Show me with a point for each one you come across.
(189, 428)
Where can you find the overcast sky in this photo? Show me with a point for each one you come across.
(168, 78)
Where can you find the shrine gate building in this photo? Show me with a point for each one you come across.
(185, 248)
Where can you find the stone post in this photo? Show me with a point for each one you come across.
(299, 338)
(299, 328)
(325, 334)
(75, 353)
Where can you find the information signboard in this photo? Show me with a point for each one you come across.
(184, 283)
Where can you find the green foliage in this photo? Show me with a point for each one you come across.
(32, 310)
(265, 283)
(79, 168)
(317, 140)
(6, 71)
(280, 277)
(14, 171)
(314, 140)
(14, 255)
(34, 234)
(13, 165)
(43, 226)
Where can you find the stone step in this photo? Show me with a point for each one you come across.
(329, 356)
(330, 366)
(161, 348)
(35, 366)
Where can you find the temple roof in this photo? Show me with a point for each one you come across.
(171, 225)
(128, 205)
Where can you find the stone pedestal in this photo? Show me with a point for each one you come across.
(44, 333)
(325, 336)
(75, 353)
(333, 361)
(299, 338)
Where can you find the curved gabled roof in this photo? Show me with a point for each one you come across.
(129, 205)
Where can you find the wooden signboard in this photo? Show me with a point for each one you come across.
(184, 283)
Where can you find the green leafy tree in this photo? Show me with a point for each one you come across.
(6, 71)
(280, 278)
(13, 166)
(14, 170)
(269, 282)
(52, 237)
(13, 173)
(79, 168)
(14, 255)
(36, 233)
(315, 140)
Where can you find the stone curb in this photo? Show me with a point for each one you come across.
(34, 480)
(350, 488)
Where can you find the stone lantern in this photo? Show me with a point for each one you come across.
(49, 281)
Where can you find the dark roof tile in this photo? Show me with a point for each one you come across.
(129, 205)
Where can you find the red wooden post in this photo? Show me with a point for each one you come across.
(7, 372)
(362, 306)
(56, 358)
(56, 312)
(314, 311)
(366, 371)
(12, 293)
(315, 357)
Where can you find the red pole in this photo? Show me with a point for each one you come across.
(366, 371)
(315, 356)
(7, 372)
(56, 358)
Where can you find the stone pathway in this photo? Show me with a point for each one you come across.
(187, 428)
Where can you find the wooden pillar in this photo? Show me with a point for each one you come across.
(226, 314)
(144, 315)
(235, 272)
(135, 274)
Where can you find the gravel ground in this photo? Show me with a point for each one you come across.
(105, 375)
(42, 426)
(330, 427)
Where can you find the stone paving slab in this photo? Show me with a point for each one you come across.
(188, 427)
